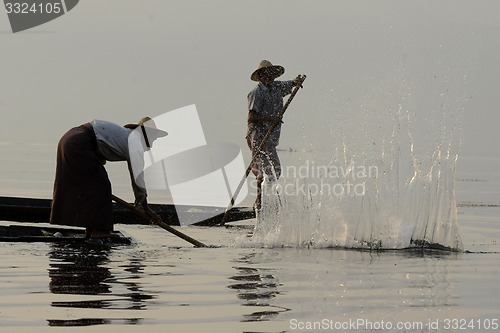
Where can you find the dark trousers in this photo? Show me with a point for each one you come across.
(82, 190)
(265, 162)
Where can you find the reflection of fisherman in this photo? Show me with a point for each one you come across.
(82, 190)
(85, 274)
(265, 102)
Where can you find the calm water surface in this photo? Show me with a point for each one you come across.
(160, 283)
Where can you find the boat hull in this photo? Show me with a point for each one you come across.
(38, 210)
(30, 234)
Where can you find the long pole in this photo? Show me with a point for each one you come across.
(163, 225)
(260, 148)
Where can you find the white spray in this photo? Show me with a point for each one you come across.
(377, 192)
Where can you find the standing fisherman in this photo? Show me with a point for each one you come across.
(265, 102)
(82, 190)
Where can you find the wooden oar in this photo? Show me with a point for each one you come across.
(259, 149)
(163, 225)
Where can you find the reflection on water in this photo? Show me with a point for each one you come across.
(79, 270)
(431, 285)
(342, 284)
(256, 287)
(236, 290)
(84, 270)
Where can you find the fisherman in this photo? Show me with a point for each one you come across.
(82, 190)
(265, 102)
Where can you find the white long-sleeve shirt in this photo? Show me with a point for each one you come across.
(114, 143)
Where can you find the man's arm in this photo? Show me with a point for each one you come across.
(135, 163)
(287, 86)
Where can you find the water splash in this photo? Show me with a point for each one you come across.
(378, 192)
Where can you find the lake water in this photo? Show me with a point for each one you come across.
(382, 77)
(162, 283)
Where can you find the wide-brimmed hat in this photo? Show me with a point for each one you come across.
(150, 127)
(265, 65)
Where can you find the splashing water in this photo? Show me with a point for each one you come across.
(375, 193)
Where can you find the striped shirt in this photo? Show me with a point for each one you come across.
(269, 102)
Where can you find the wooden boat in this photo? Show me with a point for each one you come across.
(21, 233)
(38, 210)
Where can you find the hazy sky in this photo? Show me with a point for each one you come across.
(120, 60)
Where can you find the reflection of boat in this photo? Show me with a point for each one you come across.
(38, 210)
(20, 233)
